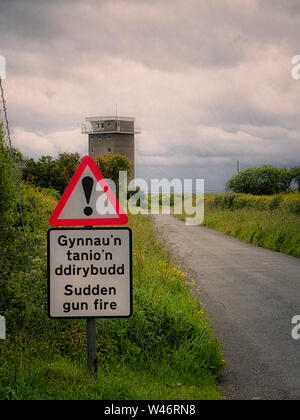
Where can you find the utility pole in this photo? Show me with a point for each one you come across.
(238, 166)
(92, 345)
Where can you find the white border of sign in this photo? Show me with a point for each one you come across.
(49, 270)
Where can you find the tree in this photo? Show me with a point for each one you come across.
(111, 165)
(8, 219)
(48, 172)
(7, 187)
(266, 180)
(65, 167)
(52, 173)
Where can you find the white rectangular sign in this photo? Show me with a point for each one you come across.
(90, 273)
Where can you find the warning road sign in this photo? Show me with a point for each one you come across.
(88, 200)
(90, 273)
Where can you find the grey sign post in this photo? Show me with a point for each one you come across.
(91, 335)
(90, 276)
(92, 345)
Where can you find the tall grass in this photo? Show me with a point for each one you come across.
(271, 222)
(274, 229)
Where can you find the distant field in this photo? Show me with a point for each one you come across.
(271, 222)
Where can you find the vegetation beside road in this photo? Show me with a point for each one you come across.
(288, 203)
(165, 351)
(265, 180)
(56, 174)
(271, 222)
(261, 208)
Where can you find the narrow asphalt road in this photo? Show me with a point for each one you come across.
(251, 295)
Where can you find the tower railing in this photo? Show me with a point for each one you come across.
(89, 129)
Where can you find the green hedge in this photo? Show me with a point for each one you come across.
(234, 201)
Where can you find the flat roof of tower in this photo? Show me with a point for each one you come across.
(110, 118)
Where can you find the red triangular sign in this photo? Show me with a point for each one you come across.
(88, 200)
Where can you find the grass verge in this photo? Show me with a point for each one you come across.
(269, 222)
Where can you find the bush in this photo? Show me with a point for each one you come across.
(52, 173)
(8, 221)
(7, 186)
(267, 180)
(111, 165)
(292, 203)
(24, 302)
(232, 201)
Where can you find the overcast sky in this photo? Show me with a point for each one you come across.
(208, 80)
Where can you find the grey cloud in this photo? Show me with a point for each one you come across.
(165, 35)
(289, 7)
(168, 35)
(186, 69)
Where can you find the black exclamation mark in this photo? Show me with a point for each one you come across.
(88, 184)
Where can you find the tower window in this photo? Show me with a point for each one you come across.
(109, 137)
(109, 124)
(99, 137)
(109, 150)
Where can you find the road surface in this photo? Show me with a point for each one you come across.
(251, 295)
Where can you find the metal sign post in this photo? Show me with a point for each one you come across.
(91, 335)
(92, 345)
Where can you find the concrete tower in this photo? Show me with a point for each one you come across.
(111, 135)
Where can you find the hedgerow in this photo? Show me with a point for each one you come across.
(289, 201)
